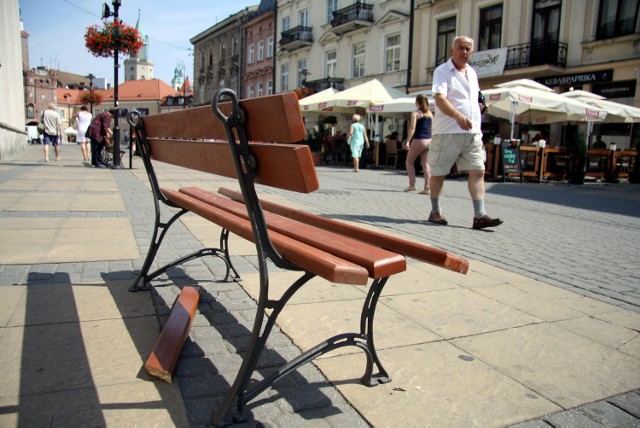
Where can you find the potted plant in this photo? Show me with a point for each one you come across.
(577, 145)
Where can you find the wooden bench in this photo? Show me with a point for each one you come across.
(252, 140)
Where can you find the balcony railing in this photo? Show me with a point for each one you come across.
(352, 17)
(296, 38)
(536, 53)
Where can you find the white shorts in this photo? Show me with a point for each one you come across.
(465, 150)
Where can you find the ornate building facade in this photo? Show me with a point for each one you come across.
(219, 59)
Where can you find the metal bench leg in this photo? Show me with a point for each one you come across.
(366, 330)
(146, 277)
(154, 246)
(233, 407)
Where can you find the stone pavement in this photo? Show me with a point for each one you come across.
(543, 331)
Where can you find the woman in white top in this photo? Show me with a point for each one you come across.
(83, 120)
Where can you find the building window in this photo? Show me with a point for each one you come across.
(250, 54)
(286, 23)
(223, 52)
(284, 77)
(332, 63)
(250, 91)
(270, 47)
(332, 6)
(303, 18)
(617, 18)
(446, 34)
(490, 28)
(302, 72)
(546, 22)
(392, 53)
(358, 60)
(62, 113)
(259, 93)
(260, 50)
(236, 46)
(269, 87)
(30, 111)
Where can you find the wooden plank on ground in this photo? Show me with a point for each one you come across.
(162, 361)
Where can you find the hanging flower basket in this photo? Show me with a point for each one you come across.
(103, 40)
(90, 97)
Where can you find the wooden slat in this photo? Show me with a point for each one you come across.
(162, 361)
(407, 248)
(319, 262)
(378, 262)
(285, 166)
(271, 118)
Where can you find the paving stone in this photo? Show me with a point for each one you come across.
(608, 415)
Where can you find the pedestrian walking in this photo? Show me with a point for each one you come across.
(457, 137)
(52, 131)
(99, 131)
(83, 120)
(357, 140)
(418, 142)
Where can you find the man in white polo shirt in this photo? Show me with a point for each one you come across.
(457, 137)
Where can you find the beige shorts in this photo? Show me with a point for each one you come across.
(465, 150)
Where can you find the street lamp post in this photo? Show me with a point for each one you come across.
(116, 113)
(91, 77)
(183, 73)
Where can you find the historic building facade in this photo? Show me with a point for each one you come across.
(219, 58)
(342, 43)
(259, 36)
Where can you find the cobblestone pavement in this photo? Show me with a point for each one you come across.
(581, 238)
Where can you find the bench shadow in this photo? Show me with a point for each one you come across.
(211, 357)
(55, 379)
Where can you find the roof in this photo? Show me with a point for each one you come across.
(186, 87)
(266, 6)
(247, 11)
(66, 79)
(65, 96)
(132, 90)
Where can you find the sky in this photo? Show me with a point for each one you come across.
(56, 32)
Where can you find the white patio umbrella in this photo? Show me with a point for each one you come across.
(523, 104)
(399, 106)
(317, 101)
(365, 94)
(616, 112)
(526, 83)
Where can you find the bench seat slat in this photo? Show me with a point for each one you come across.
(407, 248)
(321, 263)
(379, 262)
(287, 166)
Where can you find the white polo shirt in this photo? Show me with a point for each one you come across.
(462, 93)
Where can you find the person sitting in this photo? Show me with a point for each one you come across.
(525, 138)
(599, 144)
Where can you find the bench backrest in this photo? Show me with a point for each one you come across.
(196, 139)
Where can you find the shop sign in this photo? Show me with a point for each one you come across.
(622, 89)
(490, 62)
(577, 79)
